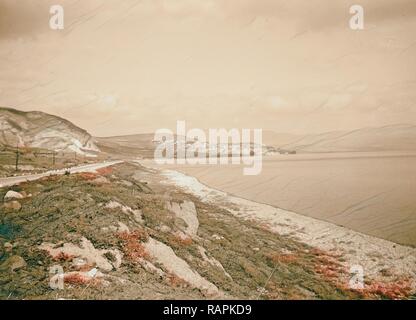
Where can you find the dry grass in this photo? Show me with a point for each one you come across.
(88, 175)
(181, 241)
(105, 171)
(331, 270)
(399, 289)
(175, 281)
(132, 246)
(282, 258)
(62, 257)
(76, 279)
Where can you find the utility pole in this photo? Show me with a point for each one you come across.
(17, 156)
(53, 153)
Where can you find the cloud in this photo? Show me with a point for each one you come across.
(276, 103)
(23, 18)
(27, 17)
(319, 14)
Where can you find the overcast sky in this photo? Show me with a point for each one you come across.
(130, 66)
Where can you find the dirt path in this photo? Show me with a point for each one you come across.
(10, 181)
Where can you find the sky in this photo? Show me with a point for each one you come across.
(134, 66)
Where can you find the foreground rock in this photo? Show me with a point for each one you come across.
(12, 195)
(164, 255)
(86, 251)
(187, 212)
(12, 205)
(13, 263)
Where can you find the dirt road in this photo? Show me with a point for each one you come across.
(10, 181)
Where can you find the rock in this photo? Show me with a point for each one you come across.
(13, 205)
(164, 228)
(187, 212)
(101, 180)
(164, 255)
(127, 183)
(79, 263)
(122, 227)
(92, 273)
(137, 214)
(86, 251)
(13, 263)
(17, 263)
(217, 237)
(13, 195)
(8, 247)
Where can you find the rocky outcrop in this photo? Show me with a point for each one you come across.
(41, 130)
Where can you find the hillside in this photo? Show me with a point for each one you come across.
(36, 129)
(399, 137)
(124, 232)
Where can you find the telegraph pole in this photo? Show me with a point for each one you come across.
(17, 156)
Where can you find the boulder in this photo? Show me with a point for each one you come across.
(12, 205)
(101, 180)
(13, 195)
(13, 263)
(8, 247)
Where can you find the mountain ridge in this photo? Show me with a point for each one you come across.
(395, 137)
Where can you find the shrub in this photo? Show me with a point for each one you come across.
(75, 279)
(132, 246)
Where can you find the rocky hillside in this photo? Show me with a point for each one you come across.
(41, 130)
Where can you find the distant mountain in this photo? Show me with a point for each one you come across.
(137, 145)
(400, 137)
(41, 130)
(277, 139)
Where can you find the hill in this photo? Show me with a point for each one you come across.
(37, 129)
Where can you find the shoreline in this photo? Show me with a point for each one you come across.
(374, 254)
(371, 195)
